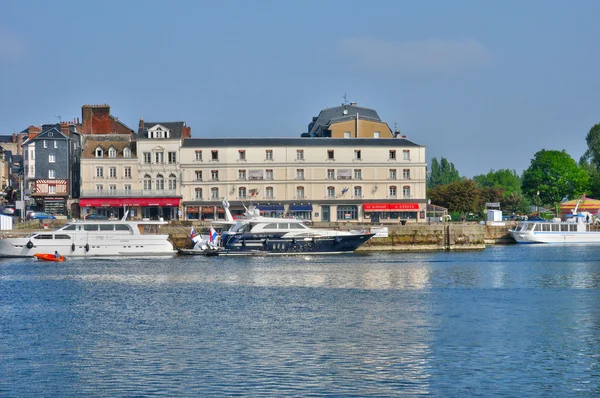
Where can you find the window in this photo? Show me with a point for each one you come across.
(198, 175)
(330, 174)
(242, 175)
(99, 187)
(269, 154)
(392, 154)
(172, 182)
(127, 188)
(99, 152)
(45, 144)
(199, 156)
(112, 172)
(198, 193)
(299, 192)
(214, 156)
(126, 153)
(55, 144)
(147, 158)
(330, 154)
(393, 192)
(112, 188)
(51, 158)
(330, 192)
(214, 175)
(299, 154)
(269, 193)
(346, 134)
(376, 134)
(214, 193)
(147, 182)
(159, 157)
(172, 157)
(392, 174)
(112, 153)
(241, 155)
(160, 182)
(406, 191)
(357, 174)
(348, 212)
(357, 154)
(99, 172)
(406, 174)
(406, 154)
(127, 172)
(269, 174)
(52, 189)
(242, 192)
(299, 174)
(358, 192)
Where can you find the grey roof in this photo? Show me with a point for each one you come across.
(299, 142)
(336, 114)
(6, 139)
(175, 127)
(48, 131)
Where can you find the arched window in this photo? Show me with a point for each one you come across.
(406, 191)
(214, 193)
(299, 192)
(242, 192)
(269, 193)
(147, 182)
(99, 152)
(126, 153)
(199, 193)
(172, 182)
(358, 192)
(393, 191)
(112, 153)
(331, 192)
(160, 182)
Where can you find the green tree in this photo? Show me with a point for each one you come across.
(461, 196)
(442, 173)
(592, 171)
(507, 179)
(555, 175)
(592, 154)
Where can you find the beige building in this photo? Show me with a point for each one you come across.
(322, 179)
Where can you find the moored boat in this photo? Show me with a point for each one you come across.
(49, 257)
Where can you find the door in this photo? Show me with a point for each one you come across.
(326, 217)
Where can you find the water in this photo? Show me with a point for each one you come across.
(507, 321)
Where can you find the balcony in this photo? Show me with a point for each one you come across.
(127, 193)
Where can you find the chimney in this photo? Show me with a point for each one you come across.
(396, 133)
(141, 126)
(14, 138)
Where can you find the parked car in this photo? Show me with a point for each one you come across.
(40, 215)
(95, 217)
(8, 210)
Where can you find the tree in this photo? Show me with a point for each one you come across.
(442, 173)
(555, 175)
(592, 154)
(507, 179)
(461, 196)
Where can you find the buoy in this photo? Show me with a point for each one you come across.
(87, 247)
(73, 247)
(29, 245)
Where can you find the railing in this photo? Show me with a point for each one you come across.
(128, 193)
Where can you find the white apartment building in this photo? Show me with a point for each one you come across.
(321, 179)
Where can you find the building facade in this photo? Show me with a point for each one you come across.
(321, 179)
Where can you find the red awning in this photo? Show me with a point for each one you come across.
(390, 206)
(117, 202)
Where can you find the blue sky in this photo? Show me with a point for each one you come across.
(484, 84)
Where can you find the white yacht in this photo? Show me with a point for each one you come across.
(255, 234)
(94, 239)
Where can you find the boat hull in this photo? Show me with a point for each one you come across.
(556, 237)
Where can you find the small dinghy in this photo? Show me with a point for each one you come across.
(49, 257)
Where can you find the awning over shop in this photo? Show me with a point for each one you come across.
(301, 207)
(270, 207)
(192, 209)
(375, 207)
(117, 202)
(208, 209)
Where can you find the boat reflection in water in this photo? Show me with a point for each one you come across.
(255, 234)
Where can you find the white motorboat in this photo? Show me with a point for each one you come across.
(94, 239)
(255, 234)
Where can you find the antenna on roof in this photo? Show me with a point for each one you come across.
(345, 99)
(59, 118)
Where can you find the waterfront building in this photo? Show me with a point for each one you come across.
(321, 179)
(158, 148)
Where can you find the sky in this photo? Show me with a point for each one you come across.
(485, 84)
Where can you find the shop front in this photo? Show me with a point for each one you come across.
(139, 208)
(381, 212)
(303, 212)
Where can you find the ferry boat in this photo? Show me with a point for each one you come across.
(255, 234)
(94, 239)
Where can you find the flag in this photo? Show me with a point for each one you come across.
(344, 190)
(192, 233)
(213, 235)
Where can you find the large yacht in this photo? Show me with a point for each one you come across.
(94, 239)
(255, 234)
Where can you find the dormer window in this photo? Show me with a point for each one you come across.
(126, 152)
(159, 132)
(99, 152)
(112, 153)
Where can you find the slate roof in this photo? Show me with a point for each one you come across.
(336, 114)
(89, 148)
(299, 142)
(175, 127)
(49, 131)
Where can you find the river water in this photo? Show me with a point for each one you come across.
(507, 321)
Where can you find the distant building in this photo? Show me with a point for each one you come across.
(348, 121)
